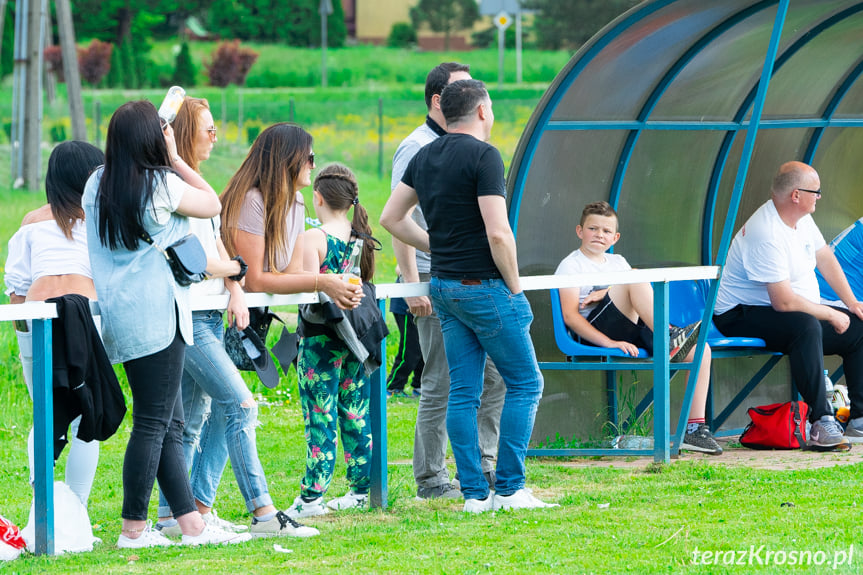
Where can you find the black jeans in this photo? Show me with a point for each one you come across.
(805, 340)
(409, 357)
(155, 448)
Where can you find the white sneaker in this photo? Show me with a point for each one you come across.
(214, 535)
(521, 499)
(148, 538)
(213, 519)
(281, 525)
(349, 500)
(478, 505)
(301, 509)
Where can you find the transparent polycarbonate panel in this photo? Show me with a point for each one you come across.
(616, 83)
(851, 105)
(803, 85)
(841, 171)
(773, 148)
(661, 206)
(569, 170)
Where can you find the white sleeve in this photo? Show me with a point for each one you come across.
(18, 276)
(166, 199)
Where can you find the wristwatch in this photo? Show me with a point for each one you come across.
(243, 268)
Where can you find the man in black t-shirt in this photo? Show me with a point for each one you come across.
(475, 289)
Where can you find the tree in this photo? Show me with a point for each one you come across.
(445, 16)
(230, 63)
(184, 71)
(569, 23)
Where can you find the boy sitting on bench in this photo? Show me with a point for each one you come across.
(621, 316)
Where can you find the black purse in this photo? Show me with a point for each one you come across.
(260, 319)
(186, 258)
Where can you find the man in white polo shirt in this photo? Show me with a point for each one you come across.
(769, 290)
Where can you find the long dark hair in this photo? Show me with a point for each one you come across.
(136, 160)
(272, 166)
(338, 186)
(69, 166)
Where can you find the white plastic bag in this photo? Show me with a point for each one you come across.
(72, 529)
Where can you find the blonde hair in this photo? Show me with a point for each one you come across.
(186, 127)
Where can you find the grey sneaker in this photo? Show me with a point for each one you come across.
(826, 432)
(281, 525)
(854, 434)
(701, 440)
(682, 339)
(442, 491)
(169, 530)
(213, 519)
(302, 508)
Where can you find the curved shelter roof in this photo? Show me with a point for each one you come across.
(652, 114)
(678, 113)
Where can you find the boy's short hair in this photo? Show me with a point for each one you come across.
(597, 209)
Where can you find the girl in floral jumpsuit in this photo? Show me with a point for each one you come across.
(333, 386)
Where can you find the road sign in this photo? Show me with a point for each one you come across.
(502, 21)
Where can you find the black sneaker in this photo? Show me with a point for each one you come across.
(682, 339)
(443, 491)
(701, 440)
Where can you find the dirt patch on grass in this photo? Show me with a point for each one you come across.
(735, 455)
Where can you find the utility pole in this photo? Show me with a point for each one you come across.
(2, 22)
(325, 9)
(70, 69)
(33, 104)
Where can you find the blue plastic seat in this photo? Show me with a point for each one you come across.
(573, 348)
(686, 305)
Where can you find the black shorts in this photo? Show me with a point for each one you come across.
(609, 320)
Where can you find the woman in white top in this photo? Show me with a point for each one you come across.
(48, 258)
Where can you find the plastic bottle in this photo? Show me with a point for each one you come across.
(354, 264)
(171, 104)
(828, 385)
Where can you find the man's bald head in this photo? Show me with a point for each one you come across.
(791, 176)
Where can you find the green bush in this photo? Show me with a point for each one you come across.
(402, 35)
(58, 132)
(252, 134)
(184, 70)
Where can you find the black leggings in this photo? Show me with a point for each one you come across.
(806, 341)
(155, 448)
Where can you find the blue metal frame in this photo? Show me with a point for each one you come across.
(43, 425)
(378, 413)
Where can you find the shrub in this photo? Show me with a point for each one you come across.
(94, 61)
(402, 35)
(58, 132)
(54, 58)
(184, 71)
(114, 78)
(230, 64)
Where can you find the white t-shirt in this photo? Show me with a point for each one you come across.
(207, 230)
(166, 199)
(766, 251)
(578, 263)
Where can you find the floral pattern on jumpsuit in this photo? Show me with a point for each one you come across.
(334, 390)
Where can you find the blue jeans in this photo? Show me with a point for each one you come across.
(488, 319)
(218, 425)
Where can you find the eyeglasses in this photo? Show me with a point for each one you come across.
(211, 131)
(816, 192)
(312, 160)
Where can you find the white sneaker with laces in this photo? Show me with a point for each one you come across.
(521, 499)
(478, 505)
(349, 500)
(213, 519)
(149, 538)
(214, 535)
(281, 525)
(300, 509)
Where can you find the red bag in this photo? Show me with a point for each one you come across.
(10, 534)
(777, 426)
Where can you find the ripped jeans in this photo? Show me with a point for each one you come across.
(221, 417)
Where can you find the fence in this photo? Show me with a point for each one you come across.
(42, 313)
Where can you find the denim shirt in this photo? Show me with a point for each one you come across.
(137, 292)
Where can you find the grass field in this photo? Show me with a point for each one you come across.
(618, 518)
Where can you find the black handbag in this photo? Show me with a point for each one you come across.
(186, 258)
(260, 319)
